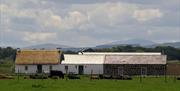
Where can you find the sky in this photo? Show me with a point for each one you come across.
(81, 23)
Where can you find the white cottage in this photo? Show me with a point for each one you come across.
(37, 61)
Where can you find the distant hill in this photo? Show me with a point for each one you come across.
(54, 46)
(46, 46)
(133, 42)
(173, 44)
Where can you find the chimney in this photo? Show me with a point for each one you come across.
(18, 50)
(59, 49)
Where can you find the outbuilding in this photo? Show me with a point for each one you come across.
(82, 64)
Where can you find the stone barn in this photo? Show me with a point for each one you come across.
(133, 63)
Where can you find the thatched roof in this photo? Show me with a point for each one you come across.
(38, 57)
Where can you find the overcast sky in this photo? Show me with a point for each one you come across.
(87, 22)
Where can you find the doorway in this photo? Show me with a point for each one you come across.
(143, 71)
(39, 68)
(81, 69)
(120, 71)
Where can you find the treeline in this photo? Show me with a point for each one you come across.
(7, 52)
(171, 52)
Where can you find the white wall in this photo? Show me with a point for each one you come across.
(46, 68)
(97, 68)
(31, 68)
(21, 69)
(83, 59)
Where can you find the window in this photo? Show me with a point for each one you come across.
(66, 67)
(50, 67)
(26, 68)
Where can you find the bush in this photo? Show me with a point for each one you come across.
(55, 77)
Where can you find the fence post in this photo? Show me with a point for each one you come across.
(66, 73)
(165, 69)
(18, 74)
(91, 74)
(141, 76)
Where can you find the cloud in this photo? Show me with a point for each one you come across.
(46, 18)
(84, 16)
(87, 22)
(163, 34)
(38, 37)
(110, 14)
(147, 14)
(73, 20)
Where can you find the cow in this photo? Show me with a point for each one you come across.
(56, 73)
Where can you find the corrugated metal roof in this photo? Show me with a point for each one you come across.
(120, 53)
(38, 57)
(83, 59)
(114, 59)
(137, 59)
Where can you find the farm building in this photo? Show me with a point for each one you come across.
(132, 63)
(37, 61)
(83, 64)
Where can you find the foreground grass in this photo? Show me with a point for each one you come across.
(147, 84)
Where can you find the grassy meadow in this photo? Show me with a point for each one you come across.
(85, 84)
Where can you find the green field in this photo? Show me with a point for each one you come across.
(85, 84)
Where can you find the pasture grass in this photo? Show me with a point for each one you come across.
(85, 84)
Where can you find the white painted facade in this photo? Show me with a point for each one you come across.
(90, 63)
(87, 68)
(21, 69)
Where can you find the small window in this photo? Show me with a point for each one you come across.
(50, 67)
(66, 67)
(76, 66)
(26, 68)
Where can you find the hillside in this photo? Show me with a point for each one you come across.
(133, 42)
(174, 44)
(46, 46)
